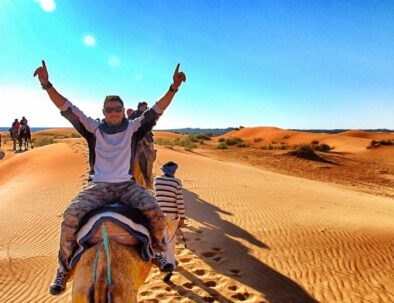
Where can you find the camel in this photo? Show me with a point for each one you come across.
(24, 137)
(14, 138)
(143, 163)
(127, 271)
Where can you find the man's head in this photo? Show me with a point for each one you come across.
(129, 112)
(16, 120)
(113, 110)
(169, 168)
(142, 106)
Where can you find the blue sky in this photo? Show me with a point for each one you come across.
(289, 64)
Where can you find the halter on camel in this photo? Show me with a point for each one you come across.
(108, 259)
(113, 256)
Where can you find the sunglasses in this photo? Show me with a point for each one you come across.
(110, 109)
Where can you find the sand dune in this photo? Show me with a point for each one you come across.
(55, 132)
(368, 135)
(253, 235)
(350, 141)
(168, 135)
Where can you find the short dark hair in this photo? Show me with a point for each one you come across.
(141, 103)
(113, 98)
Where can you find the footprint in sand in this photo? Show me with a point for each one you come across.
(241, 297)
(209, 254)
(210, 283)
(235, 272)
(213, 254)
(199, 272)
(189, 285)
(185, 260)
(232, 287)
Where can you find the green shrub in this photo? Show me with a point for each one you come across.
(233, 141)
(222, 145)
(75, 135)
(256, 140)
(44, 141)
(242, 145)
(322, 147)
(204, 136)
(193, 138)
(221, 140)
(283, 146)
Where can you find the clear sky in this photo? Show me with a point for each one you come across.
(289, 64)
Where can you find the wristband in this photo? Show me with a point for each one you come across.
(45, 87)
(172, 90)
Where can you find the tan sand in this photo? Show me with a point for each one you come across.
(350, 141)
(168, 135)
(253, 235)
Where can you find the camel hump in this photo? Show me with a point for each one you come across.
(115, 232)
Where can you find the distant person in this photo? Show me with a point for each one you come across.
(141, 107)
(14, 128)
(169, 196)
(23, 126)
(145, 153)
(15, 124)
(129, 112)
(111, 167)
(23, 121)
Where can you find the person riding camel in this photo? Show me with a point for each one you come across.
(129, 112)
(141, 107)
(23, 125)
(145, 153)
(15, 126)
(111, 167)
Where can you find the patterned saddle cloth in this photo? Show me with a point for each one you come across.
(130, 219)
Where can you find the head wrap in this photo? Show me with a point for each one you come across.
(169, 168)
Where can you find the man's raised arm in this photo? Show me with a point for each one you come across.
(43, 77)
(178, 78)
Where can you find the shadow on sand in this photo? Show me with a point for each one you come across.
(231, 258)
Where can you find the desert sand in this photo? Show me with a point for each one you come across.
(253, 235)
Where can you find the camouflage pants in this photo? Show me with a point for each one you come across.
(96, 195)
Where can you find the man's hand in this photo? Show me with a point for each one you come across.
(42, 73)
(178, 78)
(182, 223)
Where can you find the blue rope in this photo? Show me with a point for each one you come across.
(95, 266)
(106, 246)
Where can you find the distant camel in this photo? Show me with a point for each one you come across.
(24, 137)
(14, 137)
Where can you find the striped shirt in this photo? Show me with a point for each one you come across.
(169, 196)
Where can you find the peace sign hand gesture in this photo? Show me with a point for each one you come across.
(178, 78)
(42, 73)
